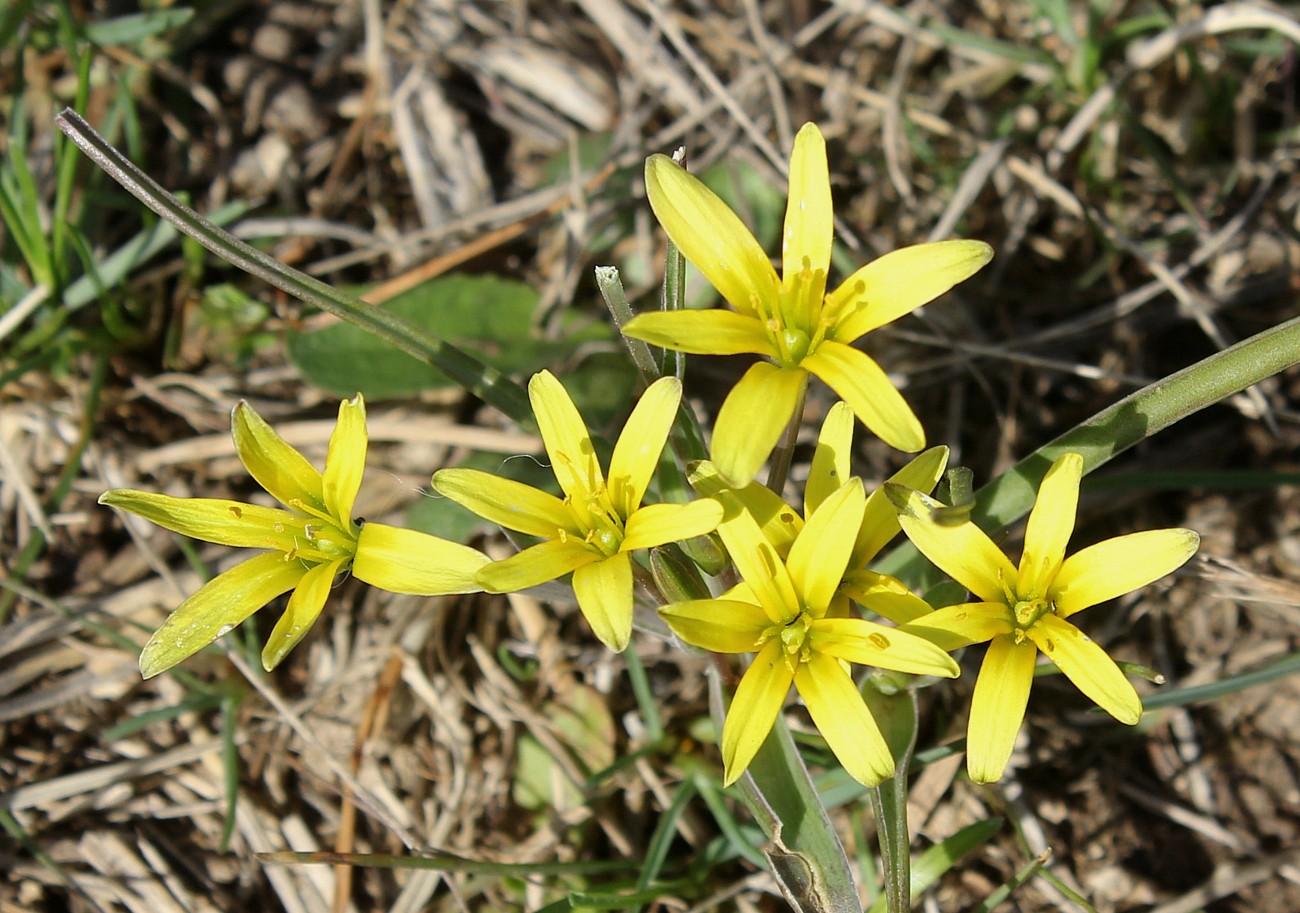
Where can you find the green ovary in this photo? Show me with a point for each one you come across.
(795, 643)
(1027, 612)
(607, 541)
(793, 346)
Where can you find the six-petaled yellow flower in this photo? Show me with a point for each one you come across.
(597, 525)
(308, 543)
(782, 612)
(885, 595)
(792, 320)
(1024, 609)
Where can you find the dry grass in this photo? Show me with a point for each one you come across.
(1145, 212)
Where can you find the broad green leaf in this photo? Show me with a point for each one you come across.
(491, 316)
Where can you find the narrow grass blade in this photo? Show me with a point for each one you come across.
(449, 862)
(935, 862)
(485, 382)
(661, 841)
(1210, 691)
(1000, 894)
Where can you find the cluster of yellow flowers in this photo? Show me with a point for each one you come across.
(800, 574)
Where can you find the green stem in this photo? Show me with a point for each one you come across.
(480, 379)
(620, 309)
(784, 453)
(897, 714)
(674, 300)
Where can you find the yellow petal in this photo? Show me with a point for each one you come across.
(709, 234)
(759, 697)
(1051, 523)
(761, 567)
(300, 614)
(573, 458)
(879, 520)
(998, 707)
(345, 463)
(720, 625)
(841, 716)
(830, 462)
(887, 596)
(277, 467)
(604, 592)
(657, 524)
(217, 607)
(821, 553)
(1118, 566)
(957, 626)
(213, 520)
(537, 564)
(901, 281)
(752, 418)
(861, 383)
(506, 502)
(709, 332)
(869, 644)
(407, 561)
(636, 455)
(1087, 665)
(779, 521)
(809, 219)
(961, 550)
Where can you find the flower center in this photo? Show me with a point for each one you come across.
(606, 540)
(794, 319)
(795, 643)
(601, 520)
(1027, 613)
(320, 541)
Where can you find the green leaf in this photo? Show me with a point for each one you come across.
(491, 316)
(469, 372)
(135, 27)
(584, 729)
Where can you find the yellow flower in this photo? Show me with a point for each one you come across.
(881, 593)
(782, 612)
(1023, 610)
(792, 320)
(597, 525)
(310, 542)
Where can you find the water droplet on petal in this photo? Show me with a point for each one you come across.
(879, 641)
(224, 630)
